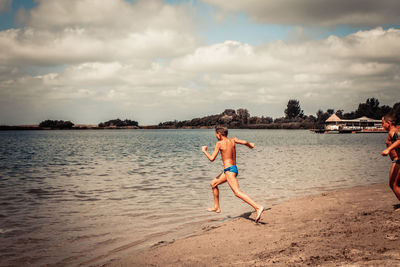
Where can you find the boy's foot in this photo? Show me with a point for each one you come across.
(214, 210)
(259, 212)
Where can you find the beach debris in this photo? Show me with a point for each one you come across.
(392, 237)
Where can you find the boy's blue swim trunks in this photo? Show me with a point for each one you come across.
(233, 169)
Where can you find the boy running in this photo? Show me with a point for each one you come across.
(228, 153)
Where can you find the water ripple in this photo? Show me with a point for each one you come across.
(65, 195)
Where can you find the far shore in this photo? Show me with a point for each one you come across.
(351, 227)
(147, 127)
(156, 127)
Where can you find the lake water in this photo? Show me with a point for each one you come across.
(70, 197)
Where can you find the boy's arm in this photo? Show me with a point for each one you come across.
(244, 142)
(390, 148)
(214, 154)
(392, 154)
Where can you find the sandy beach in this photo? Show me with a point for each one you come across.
(356, 226)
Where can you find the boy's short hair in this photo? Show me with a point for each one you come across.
(391, 116)
(221, 130)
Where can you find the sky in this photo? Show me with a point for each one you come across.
(90, 61)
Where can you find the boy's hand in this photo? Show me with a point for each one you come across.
(251, 145)
(204, 148)
(385, 152)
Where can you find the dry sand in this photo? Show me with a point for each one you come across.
(352, 227)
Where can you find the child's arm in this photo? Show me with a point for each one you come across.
(390, 148)
(244, 142)
(392, 153)
(214, 154)
(393, 145)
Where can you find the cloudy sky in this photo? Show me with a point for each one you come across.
(90, 61)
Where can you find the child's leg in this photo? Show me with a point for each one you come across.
(396, 179)
(392, 174)
(214, 186)
(234, 184)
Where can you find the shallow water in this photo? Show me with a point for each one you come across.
(67, 197)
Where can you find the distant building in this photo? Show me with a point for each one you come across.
(334, 123)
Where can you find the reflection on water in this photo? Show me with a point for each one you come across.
(70, 196)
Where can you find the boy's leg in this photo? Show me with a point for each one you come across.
(396, 181)
(234, 184)
(392, 174)
(220, 179)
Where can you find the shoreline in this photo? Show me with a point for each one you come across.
(84, 128)
(37, 128)
(355, 226)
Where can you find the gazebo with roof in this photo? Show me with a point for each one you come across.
(362, 123)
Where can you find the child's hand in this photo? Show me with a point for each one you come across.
(204, 148)
(385, 152)
(251, 145)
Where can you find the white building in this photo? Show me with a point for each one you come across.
(334, 123)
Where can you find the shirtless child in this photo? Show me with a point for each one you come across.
(228, 153)
(393, 150)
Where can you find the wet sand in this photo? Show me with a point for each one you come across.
(356, 227)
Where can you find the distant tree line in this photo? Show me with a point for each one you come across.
(60, 124)
(241, 118)
(228, 117)
(294, 117)
(56, 124)
(118, 123)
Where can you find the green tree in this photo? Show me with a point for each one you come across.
(118, 123)
(369, 109)
(243, 115)
(321, 118)
(339, 113)
(56, 124)
(293, 109)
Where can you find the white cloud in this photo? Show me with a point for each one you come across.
(334, 72)
(111, 15)
(364, 13)
(227, 57)
(71, 32)
(358, 66)
(151, 67)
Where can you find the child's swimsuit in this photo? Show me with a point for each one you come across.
(394, 138)
(233, 169)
